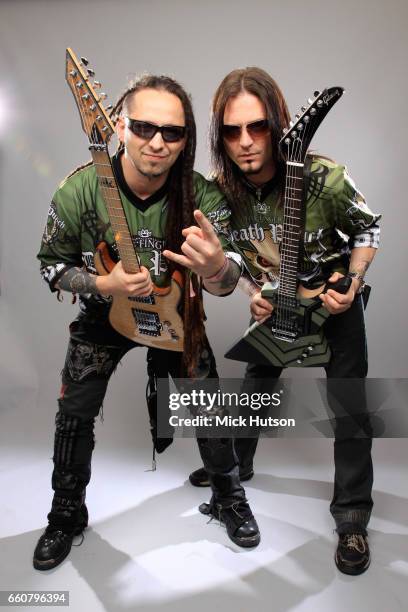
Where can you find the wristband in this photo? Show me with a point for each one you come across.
(218, 276)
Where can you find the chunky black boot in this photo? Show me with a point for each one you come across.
(199, 478)
(238, 519)
(73, 445)
(56, 541)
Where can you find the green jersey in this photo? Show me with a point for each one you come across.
(337, 220)
(78, 221)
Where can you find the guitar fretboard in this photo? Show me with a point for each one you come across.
(292, 228)
(113, 202)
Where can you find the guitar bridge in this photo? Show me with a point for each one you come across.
(285, 335)
(284, 329)
(148, 323)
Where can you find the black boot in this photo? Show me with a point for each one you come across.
(228, 502)
(56, 541)
(68, 517)
(238, 519)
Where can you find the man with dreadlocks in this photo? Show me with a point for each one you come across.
(341, 237)
(159, 191)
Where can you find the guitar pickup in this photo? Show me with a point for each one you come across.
(148, 323)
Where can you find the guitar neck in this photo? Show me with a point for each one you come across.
(110, 193)
(292, 229)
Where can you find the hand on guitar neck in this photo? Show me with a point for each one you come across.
(116, 283)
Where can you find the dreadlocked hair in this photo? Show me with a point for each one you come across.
(226, 173)
(181, 205)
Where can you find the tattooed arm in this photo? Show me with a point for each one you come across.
(361, 258)
(117, 282)
(78, 280)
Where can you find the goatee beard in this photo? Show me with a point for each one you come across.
(151, 175)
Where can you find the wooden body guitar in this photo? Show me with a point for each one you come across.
(153, 320)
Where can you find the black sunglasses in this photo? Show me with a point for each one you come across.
(257, 128)
(145, 130)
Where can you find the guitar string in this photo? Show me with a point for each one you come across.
(89, 124)
(295, 154)
(122, 248)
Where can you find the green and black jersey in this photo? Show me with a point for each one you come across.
(337, 220)
(78, 221)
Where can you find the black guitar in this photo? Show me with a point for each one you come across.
(293, 335)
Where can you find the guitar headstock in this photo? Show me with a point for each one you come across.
(95, 120)
(297, 138)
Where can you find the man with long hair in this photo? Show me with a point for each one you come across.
(249, 114)
(159, 192)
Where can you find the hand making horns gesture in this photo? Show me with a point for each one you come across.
(202, 251)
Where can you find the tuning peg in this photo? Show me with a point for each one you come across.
(303, 109)
(297, 116)
(313, 111)
(79, 85)
(73, 73)
(316, 93)
(92, 107)
(109, 107)
(90, 72)
(98, 117)
(309, 101)
(300, 126)
(85, 96)
(103, 96)
(284, 131)
(291, 123)
(306, 118)
(97, 84)
(84, 61)
(320, 103)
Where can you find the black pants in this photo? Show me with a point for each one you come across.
(352, 503)
(94, 351)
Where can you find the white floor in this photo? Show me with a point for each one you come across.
(149, 549)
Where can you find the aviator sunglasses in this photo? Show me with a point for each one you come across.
(145, 130)
(257, 128)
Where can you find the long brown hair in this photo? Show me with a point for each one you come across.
(259, 83)
(181, 205)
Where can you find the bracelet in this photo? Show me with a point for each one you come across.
(360, 278)
(356, 275)
(218, 276)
